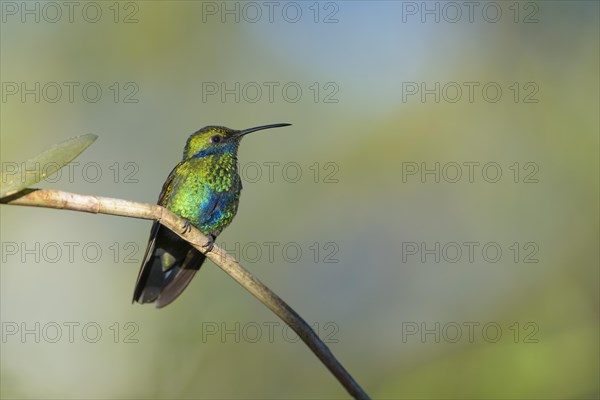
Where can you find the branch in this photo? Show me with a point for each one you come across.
(110, 206)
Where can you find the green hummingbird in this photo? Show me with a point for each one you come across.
(204, 188)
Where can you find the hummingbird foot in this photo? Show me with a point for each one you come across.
(187, 226)
(210, 244)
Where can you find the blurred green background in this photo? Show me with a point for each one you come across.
(391, 317)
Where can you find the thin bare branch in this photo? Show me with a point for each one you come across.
(111, 206)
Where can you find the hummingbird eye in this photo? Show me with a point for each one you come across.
(215, 139)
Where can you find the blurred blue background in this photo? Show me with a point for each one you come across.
(362, 213)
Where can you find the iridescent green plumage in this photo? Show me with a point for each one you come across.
(200, 187)
(205, 189)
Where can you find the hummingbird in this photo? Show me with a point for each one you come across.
(204, 188)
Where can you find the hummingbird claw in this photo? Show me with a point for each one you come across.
(187, 226)
(210, 244)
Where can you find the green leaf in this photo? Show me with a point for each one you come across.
(44, 164)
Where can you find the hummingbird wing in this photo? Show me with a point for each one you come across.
(169, 265)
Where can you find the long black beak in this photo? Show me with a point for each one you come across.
(258, 128)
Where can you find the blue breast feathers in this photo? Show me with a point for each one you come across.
(214, 208)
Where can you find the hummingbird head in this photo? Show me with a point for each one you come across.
(217, 140)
